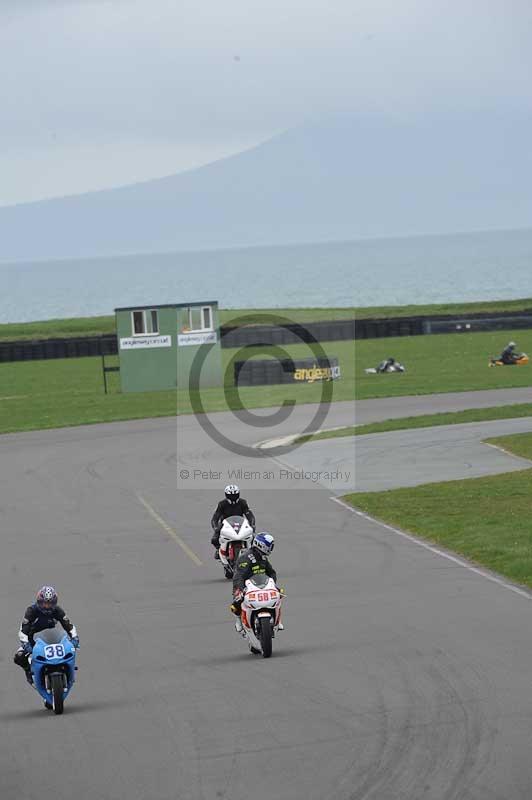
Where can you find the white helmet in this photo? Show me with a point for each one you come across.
(232, 493)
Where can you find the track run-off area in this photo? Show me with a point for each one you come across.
(401, 674)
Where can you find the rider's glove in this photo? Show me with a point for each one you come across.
(235, 609)
(75, 641)
(27, 648)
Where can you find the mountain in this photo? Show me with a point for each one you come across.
(347, 178)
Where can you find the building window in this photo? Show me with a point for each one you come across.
(194, 319)
(138, 322)
(145, 322)
(206, 313)
(200, 318)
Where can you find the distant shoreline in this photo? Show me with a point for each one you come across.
(296, 245)
(379, 277)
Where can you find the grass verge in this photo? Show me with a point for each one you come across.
(52, 393)
(63, 392)
(489, 306)
(519, 444)
(440, 363)
(443, 363)
(487, 520)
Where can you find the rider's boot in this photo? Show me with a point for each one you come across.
(21, 660)
(280, 627)
(215, 541)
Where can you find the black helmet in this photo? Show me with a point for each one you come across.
(232, 493)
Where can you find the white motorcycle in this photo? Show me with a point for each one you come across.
(236, 534)
(261, 613)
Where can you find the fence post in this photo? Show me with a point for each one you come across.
(104, 372)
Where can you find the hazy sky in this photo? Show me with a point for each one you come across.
(97, 93)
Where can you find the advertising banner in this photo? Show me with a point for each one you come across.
(142, 342)
(200, 337)
(260, 372)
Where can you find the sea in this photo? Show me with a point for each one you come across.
(369, 272)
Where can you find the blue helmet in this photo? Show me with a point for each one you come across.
(264, 542)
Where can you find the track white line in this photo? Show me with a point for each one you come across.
(170, 531)
(459, 561)
(282, 441)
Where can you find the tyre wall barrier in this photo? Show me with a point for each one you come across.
(342, 330)
(296, 333)
(58, 348)
(256, 335)
(474, 323)
(267, 371)
(381, 328)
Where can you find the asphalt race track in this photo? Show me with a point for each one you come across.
(413, 457)
(401, 674)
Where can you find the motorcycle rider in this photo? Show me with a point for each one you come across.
(232, 505)
(253, 561)
(43, 613)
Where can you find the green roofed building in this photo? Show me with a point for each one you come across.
(159, 344)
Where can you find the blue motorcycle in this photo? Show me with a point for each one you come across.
(53, 666)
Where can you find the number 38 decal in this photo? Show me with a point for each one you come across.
(54, 651)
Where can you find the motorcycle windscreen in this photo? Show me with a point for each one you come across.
(260, 581)
(234, 521)
(50, 635)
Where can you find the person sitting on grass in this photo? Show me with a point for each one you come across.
(508, 355)
(390, 365)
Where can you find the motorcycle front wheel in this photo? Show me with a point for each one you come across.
(266, 637)
(56, 682)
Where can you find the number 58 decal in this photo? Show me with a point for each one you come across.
(263, 597)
